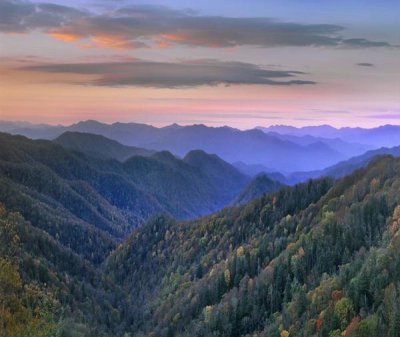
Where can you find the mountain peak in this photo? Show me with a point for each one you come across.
(173, 126)
(200, 157)
(164, 155)
(260, 185)
(89, 122)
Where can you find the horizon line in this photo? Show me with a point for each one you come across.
(190, 124)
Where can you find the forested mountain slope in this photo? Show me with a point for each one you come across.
(76, 209)
(87, 202)
(99, 146)
(225, 177)
(317, 259)
(258, 186)
(47, 290)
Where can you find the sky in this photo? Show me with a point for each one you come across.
(238, 63)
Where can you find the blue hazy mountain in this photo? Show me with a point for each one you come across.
(249, 146)
(279, 148)
(106, 194)
(348, 148)
(386, 135)
(344, 167)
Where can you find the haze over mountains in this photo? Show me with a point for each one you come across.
(344, 167)
(279, 148)
(385, 135)
(144, 191)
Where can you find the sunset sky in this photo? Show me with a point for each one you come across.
(238, 63)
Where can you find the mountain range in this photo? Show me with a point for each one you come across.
(72, 194)
(100, 238)
(276, 150)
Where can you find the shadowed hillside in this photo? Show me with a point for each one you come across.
(87, 202)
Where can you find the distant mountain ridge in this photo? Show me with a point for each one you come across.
(348, 148)
(345, 167)
(232, 145)
(284, 149)
(382, 136)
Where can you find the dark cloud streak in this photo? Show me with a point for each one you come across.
(174, 75)
(365, 64)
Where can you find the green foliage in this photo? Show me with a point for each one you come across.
(25, 309)
(42, 282)
(367, 327)
(344, 311)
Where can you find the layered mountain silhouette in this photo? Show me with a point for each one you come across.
(72, 195)
(382, 136)
(252, 147)
(344, 167)
(348, 148)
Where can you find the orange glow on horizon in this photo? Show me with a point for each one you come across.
(64, 36)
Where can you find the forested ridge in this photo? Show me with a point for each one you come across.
(87, 203)
(258, 186)
(317, 259)
(99, 146)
